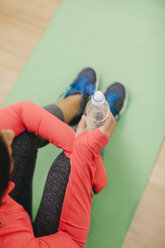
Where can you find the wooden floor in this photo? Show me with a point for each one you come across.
(22, 23)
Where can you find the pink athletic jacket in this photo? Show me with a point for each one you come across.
(15, 225)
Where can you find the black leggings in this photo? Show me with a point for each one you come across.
(25, 147)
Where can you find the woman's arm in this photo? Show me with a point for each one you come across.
(27, 115)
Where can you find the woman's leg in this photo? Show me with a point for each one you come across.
(24, 151)
(48, 216)
(25, 148)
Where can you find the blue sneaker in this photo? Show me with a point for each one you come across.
(116, 96)
(86, 84)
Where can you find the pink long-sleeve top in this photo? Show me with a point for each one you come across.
(16, 230)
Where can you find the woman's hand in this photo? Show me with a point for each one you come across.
(107, 128)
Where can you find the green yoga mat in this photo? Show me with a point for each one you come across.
(124, 41)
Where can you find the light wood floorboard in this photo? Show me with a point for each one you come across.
(22, 23)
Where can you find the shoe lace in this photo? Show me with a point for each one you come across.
(82, 82)
(111, 98)
(78, 86)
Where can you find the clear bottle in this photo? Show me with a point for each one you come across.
(96, 111)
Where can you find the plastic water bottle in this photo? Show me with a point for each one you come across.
(97, 110)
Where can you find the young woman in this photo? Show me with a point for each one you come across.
(81, 151)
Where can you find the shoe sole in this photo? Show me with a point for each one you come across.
(125, 104)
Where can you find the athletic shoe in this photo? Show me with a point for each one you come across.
(85, 84)
(116, 96)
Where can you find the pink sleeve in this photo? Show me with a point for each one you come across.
(96, 141)
(101, 178)
(88, 145)
(27, 115)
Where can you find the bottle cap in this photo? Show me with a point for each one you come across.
(98, 98)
